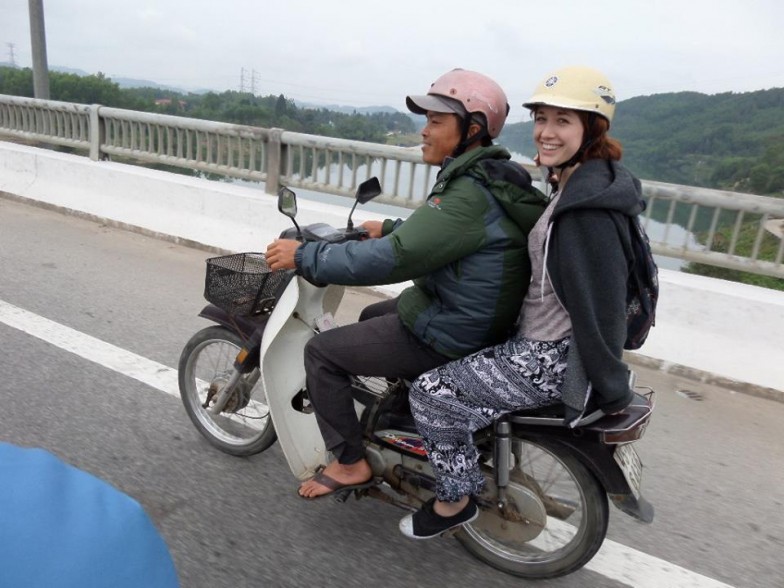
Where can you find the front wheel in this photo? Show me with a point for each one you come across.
(244, 426)
(555, 518)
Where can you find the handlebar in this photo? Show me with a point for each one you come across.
(325, 232)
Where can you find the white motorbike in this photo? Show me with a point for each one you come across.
(544, 510)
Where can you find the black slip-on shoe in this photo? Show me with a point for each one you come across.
(426, 524)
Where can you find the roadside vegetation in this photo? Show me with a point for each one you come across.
(234, 107)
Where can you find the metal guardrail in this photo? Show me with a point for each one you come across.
(337, 166)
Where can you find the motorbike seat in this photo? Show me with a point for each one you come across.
(553, 415)
(550, 411)
(594, 418)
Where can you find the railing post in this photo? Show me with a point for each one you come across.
(274, 160)
(97, 132)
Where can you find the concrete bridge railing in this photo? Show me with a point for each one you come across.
(337, 166)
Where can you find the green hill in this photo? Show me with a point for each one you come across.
(733, 141)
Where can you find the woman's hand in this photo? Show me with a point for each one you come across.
(280, 254)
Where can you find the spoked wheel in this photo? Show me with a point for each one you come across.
(244, 426)
(555, 519)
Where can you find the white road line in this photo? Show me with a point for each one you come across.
(628, 565)
(641, 570)
(614, 560)
(134, 366)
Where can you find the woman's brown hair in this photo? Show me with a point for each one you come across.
(602, 145)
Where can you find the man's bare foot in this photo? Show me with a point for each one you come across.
(345, 475)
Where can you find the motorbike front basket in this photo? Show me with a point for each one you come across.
(242, 284)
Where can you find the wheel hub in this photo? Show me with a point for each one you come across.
(520, 519)
(236, 402)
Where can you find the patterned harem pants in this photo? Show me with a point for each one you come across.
(451, 402)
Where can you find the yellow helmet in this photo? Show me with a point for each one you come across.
(576, 88)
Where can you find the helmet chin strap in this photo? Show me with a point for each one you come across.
(465, 140)
(553, 177)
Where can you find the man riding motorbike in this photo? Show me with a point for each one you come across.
(465, 249)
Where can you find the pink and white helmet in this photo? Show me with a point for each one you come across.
(461, 92)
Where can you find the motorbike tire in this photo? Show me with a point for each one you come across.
(559, 520)
(244, 427)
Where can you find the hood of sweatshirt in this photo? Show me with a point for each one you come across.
(508, 181)
(599, 183)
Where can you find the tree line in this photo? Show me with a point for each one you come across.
(234, 107)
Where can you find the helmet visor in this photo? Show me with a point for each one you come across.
(434, 103)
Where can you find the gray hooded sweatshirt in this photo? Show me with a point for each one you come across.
(588, 268)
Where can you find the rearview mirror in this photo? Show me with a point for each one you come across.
(368, 190)
(287, 202)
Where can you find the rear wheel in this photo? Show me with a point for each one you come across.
(244, 426)
(555, 519)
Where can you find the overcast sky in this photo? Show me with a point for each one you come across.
(364, 52)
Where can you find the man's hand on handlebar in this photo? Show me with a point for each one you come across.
(280, 254)
(373, 228)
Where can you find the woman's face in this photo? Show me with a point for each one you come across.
(439, 137)
(558, 134)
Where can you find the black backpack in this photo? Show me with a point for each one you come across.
(642, 288)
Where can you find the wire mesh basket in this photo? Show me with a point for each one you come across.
(242, 284)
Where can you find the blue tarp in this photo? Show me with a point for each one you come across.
(61, 527)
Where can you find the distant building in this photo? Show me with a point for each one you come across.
(168, 101)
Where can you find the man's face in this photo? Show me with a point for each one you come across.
(439, 137)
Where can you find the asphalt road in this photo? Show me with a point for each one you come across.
(712, 458)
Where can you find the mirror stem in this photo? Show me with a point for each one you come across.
(350, 223)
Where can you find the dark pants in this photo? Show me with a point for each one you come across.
(378, 345)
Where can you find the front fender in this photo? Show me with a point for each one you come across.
(245, 327)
